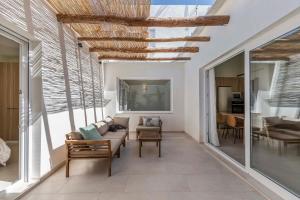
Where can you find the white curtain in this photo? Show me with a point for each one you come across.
(213, 134)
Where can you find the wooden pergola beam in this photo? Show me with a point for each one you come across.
(143, 58)
(131, 39)
(148, 22)
(147, 50)
(269, 58)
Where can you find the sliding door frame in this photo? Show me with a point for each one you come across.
(24, 90)
(246, 137)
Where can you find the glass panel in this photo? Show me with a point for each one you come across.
(144, 95)
(226, 107)
(275, 110)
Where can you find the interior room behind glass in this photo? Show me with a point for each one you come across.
(226, 89)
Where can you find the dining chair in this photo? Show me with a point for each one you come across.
(221, 123)
(236, 125)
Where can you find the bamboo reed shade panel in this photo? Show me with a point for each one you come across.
(73, 69)
(86, 77)
(97, 84)
(121, 8)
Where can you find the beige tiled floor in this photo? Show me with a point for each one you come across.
(185, 171)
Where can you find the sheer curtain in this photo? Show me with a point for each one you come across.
(213, 134)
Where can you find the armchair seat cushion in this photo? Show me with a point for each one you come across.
(147, 128)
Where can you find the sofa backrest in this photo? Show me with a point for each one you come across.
(123, 121)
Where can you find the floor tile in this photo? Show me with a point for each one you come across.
(185, 171)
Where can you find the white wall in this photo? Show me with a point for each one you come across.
(231, 68)
(54, 69)
(171, 121)
(253, 23)
(247, 18)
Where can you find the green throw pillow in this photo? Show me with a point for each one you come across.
(90, 133)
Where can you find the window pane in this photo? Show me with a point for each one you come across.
(144, 95)
(275, 110)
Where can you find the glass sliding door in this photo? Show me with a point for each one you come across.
(14, 108)
(275, 110)
(225, 97)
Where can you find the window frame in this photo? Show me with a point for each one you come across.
(118, 111)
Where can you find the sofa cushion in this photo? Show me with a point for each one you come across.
(123, 121)
(151, 121)
(74, 136)
(109, 120)
(90, 133)
(141, 119)
(115, 135)
(102, 127)
(155, 121)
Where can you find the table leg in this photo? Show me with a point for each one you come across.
(159, 149)
(140, 148)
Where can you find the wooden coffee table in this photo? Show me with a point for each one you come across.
(149, 136)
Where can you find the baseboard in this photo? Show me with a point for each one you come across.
(41, 179)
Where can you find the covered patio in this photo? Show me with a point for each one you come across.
(149, 99)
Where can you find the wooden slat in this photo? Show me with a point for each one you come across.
(146, 50)
(142, 58)
(146, 22)
(131, 39)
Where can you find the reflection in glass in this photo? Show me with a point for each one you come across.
(144, 95)
(275, 110)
